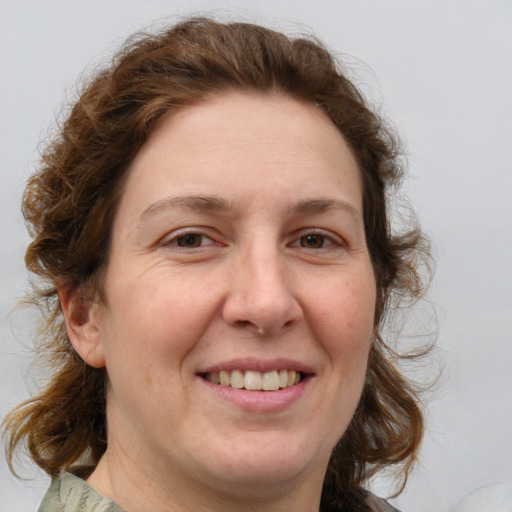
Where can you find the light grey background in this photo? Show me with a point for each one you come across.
(443, 71)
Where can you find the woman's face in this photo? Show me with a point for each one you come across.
(238, 255)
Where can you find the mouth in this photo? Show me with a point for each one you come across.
(253, 380)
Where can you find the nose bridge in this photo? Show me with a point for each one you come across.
(266, 274)
(260, 293)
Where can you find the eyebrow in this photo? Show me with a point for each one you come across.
(311, 206)
(197, 203)
(219, 205)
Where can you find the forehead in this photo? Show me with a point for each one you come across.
(245, 143)
(241, 117)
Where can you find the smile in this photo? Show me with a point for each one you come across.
(254, 380)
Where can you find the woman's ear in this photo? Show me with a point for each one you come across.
(82, 315)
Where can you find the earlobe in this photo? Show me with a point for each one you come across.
(82, 316)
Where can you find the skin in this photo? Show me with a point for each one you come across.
(269, 267)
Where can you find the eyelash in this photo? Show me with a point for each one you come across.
(327, 241)
(175, 240)
(312, 237)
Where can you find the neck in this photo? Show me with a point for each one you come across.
(139, 489)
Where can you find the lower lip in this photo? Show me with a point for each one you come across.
(260, 401)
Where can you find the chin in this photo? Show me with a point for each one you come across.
(268, 465)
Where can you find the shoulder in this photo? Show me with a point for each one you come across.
(357, 499)
(70, 493)
(379, 505)
(369, 503)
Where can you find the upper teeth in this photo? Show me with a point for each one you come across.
(254, 380)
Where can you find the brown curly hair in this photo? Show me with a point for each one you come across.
(70, 202)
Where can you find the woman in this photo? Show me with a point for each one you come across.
(211, 232)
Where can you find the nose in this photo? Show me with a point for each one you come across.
(261, 297)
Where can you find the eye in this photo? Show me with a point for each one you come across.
(190, 240)
(314, 241)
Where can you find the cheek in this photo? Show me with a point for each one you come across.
(162, 319)
(345, 325)
(344, 330)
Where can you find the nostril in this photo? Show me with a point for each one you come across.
(260, 329)
(264, 317)
(243, 323)
(247, 324)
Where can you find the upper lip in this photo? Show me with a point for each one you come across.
(261, 365)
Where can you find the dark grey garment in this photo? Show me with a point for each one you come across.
(70, 493)
(379, 505)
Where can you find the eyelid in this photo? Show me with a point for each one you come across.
(171, 239)
(334, 239)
